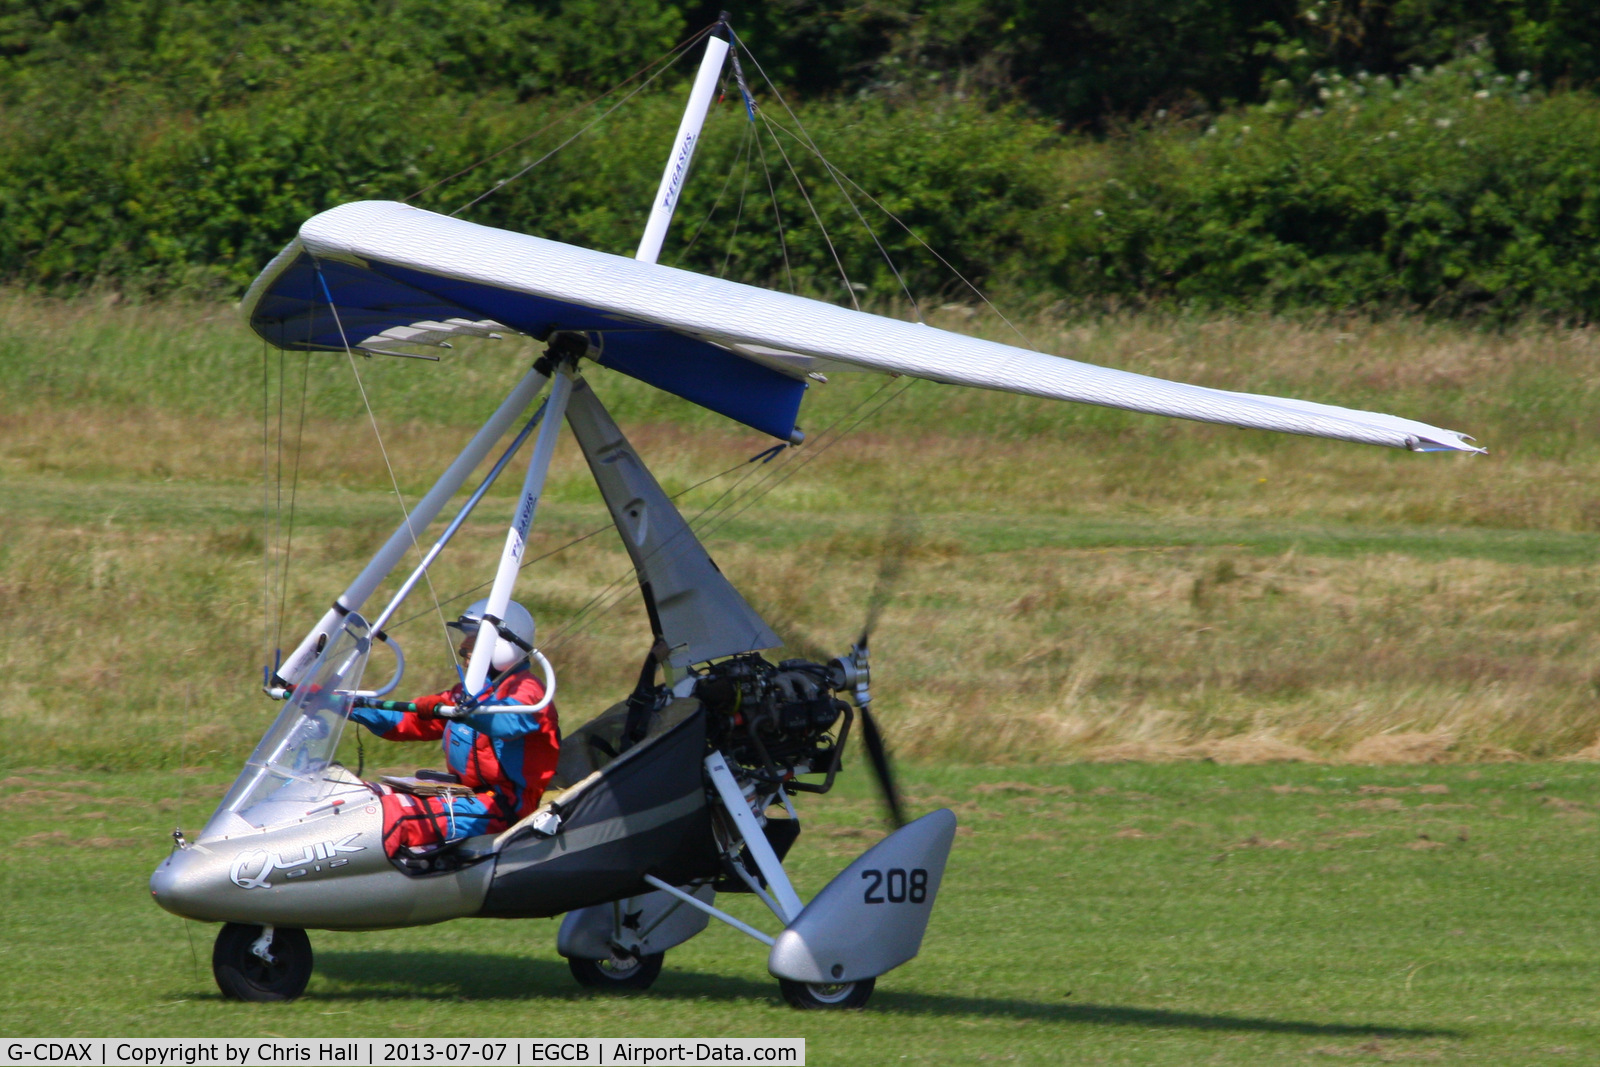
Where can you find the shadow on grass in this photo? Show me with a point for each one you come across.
(430, 976)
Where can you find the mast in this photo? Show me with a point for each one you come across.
(694, 117)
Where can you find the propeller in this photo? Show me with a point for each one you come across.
(853, 670)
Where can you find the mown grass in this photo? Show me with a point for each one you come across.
(1083, 582)
(1087, 592)
(1092, 913)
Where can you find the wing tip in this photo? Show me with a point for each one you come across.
(1446, 442)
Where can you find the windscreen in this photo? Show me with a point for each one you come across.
(291, 764)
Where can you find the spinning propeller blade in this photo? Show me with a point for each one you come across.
(853, 671)
(879, 756)
(897, 545)
(902, 535)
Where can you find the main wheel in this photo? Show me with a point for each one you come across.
(242, 975)
(620, 970)
(833, 996)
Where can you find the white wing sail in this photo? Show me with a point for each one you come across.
(387, 267)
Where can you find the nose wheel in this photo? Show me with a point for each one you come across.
(249, 966)
(820, 996)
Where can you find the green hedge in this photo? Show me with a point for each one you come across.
(1456, 190)
(1452, 190)
(132, 196)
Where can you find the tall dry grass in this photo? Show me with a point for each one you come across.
(1086, 583)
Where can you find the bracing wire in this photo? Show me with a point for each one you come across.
(894, 269)
(497, 186)
(898, 221)
(384, 451)
(744, 148)
(266, 503)
(777, 216)
(294, 488)
(821, 226)
(597, 531)
(704, 522)
(277, 533)
(552, 124)
(738, 218)
(703, 526)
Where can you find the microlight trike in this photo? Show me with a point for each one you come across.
(685, 790)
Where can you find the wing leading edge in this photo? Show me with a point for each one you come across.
(736, 349)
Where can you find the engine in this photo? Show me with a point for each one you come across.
(777, 720)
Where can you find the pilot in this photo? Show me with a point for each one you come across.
(506, 759)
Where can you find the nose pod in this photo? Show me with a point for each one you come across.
(326, 873)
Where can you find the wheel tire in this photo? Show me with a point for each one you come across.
(242, 975)
(838, 996)
(619, 971)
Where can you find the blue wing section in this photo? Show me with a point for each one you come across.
(293, 312)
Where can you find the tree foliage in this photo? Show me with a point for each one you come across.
(1417, 153)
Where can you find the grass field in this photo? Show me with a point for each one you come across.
(1265, 750)
(1110, 914)
(1099, 584)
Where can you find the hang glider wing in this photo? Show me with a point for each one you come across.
(397, 275)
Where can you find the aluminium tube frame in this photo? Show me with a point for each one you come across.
(516, 537)
(455, 524)
(744, 820)
(292, 669)
(710, 909)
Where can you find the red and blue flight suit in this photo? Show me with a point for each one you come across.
(506, 759)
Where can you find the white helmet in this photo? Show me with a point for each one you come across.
(517, 619)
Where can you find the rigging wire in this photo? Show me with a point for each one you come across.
(378, 434)
(777, 215)
(294, 486)
(834, 252)
(951, 267)
(266, 503)
(497, 186)
(575, 541)
(779, 477)
(744, 147)
(669, 55)
(916, 309)
(611, 595)
(277, 534)
(738, 217)
(577, 623)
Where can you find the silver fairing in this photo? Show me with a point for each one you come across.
(871, 918)
(325, 870)
(298, 840)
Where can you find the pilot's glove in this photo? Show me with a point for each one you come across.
(428, 707)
